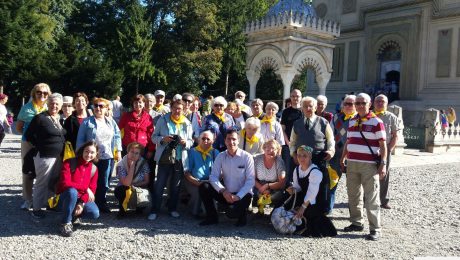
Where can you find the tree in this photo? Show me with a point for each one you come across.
(134, 35)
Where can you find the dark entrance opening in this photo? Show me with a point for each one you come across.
(392, 79)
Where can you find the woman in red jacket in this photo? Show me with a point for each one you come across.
(137, 126)
(77, 187)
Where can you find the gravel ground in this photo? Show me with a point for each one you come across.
(424, 221)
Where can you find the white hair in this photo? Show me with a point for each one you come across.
(349, 97)
(365, 96)
(219, 100)
(207, 132)
(382, 96)
(272, 104)
(55, 96)
(311, 99)
(252, 121)
(257, 100)
(322, 98)
(149, 96)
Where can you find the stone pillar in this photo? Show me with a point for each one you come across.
(253, 77)
(400, 144)
(322, 81)
(433, 131)
(287, 76)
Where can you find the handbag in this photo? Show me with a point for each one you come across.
(68, 151)
(377, 159)
(141, 196)
(284, 221)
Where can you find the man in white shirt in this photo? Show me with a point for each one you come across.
(231, 182)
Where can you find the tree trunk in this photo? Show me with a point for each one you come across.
(226, 82)
(137, 85)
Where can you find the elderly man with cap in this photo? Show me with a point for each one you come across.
(67, 108)
(160, 99)
(240, 95)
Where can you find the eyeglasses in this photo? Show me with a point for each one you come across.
(187, 100)
(348, 104)
(218, 105)
(205, 139)
(44, 93)
(360, 103)
(66, 105)
(99, 106)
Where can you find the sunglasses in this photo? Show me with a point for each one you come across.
(99, 106)
(360, 103)
(348, 104)
(44, 93)
(187, 100)
(205, 139)
(219, 105)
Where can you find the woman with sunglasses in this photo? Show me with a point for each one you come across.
(340, 126)
(36, 105)
(308, 184)
(105, 132)
(219, 122)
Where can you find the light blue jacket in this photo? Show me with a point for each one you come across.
(88, 129)
(162, 130)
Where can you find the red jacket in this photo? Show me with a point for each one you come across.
(80, 180)
(137, 129)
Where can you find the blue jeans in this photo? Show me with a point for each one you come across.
(173, 173)
(104, 169)
(68, 201)
(288, 163)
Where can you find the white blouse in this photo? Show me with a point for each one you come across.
(314, 180)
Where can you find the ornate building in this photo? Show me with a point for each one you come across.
(409, 48)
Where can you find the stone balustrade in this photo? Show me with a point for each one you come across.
(400, 144)
(437, 139)
(294, 19)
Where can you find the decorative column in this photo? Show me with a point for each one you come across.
(322, 81)
(253, 77)
(287, 76)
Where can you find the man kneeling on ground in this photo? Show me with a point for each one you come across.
(230, 183)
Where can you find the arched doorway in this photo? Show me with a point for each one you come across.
(389, 73)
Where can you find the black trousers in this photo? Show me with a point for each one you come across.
(236, 210)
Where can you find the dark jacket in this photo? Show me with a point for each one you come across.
(47, 136)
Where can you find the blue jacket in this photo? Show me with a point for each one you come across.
(87, 132)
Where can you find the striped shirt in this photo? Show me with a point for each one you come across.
(373, 129)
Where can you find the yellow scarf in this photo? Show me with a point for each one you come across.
(251, 141)
(204, 153)
(221, 117)
(37, 108)
(268, 120)
(178, 122)
(348, 116)
(380, 112)
(159, 108)
(361, 120)
(257, 116)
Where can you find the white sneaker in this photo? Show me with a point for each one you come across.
(152, 216)
(174, 214)
(26, 205)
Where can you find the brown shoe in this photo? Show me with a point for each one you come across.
(385, 206)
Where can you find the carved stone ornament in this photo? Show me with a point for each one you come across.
(348, 6)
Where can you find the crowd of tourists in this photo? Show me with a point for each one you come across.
(222, 156)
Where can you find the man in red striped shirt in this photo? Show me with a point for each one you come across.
(366, 144)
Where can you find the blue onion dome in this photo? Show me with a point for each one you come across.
(295, 6)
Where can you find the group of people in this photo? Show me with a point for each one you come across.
(235, 154)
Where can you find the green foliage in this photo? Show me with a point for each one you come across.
(110, 47)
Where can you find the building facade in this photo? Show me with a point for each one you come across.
(409, 49)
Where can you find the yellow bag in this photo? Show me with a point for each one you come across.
(333, 177)
(125, 204)
(68, 151)
(53, 201)
(265, 199)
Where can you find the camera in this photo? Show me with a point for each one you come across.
(175, 141)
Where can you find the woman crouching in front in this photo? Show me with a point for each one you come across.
(310, 189)
(134, 174)
(77, 186)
